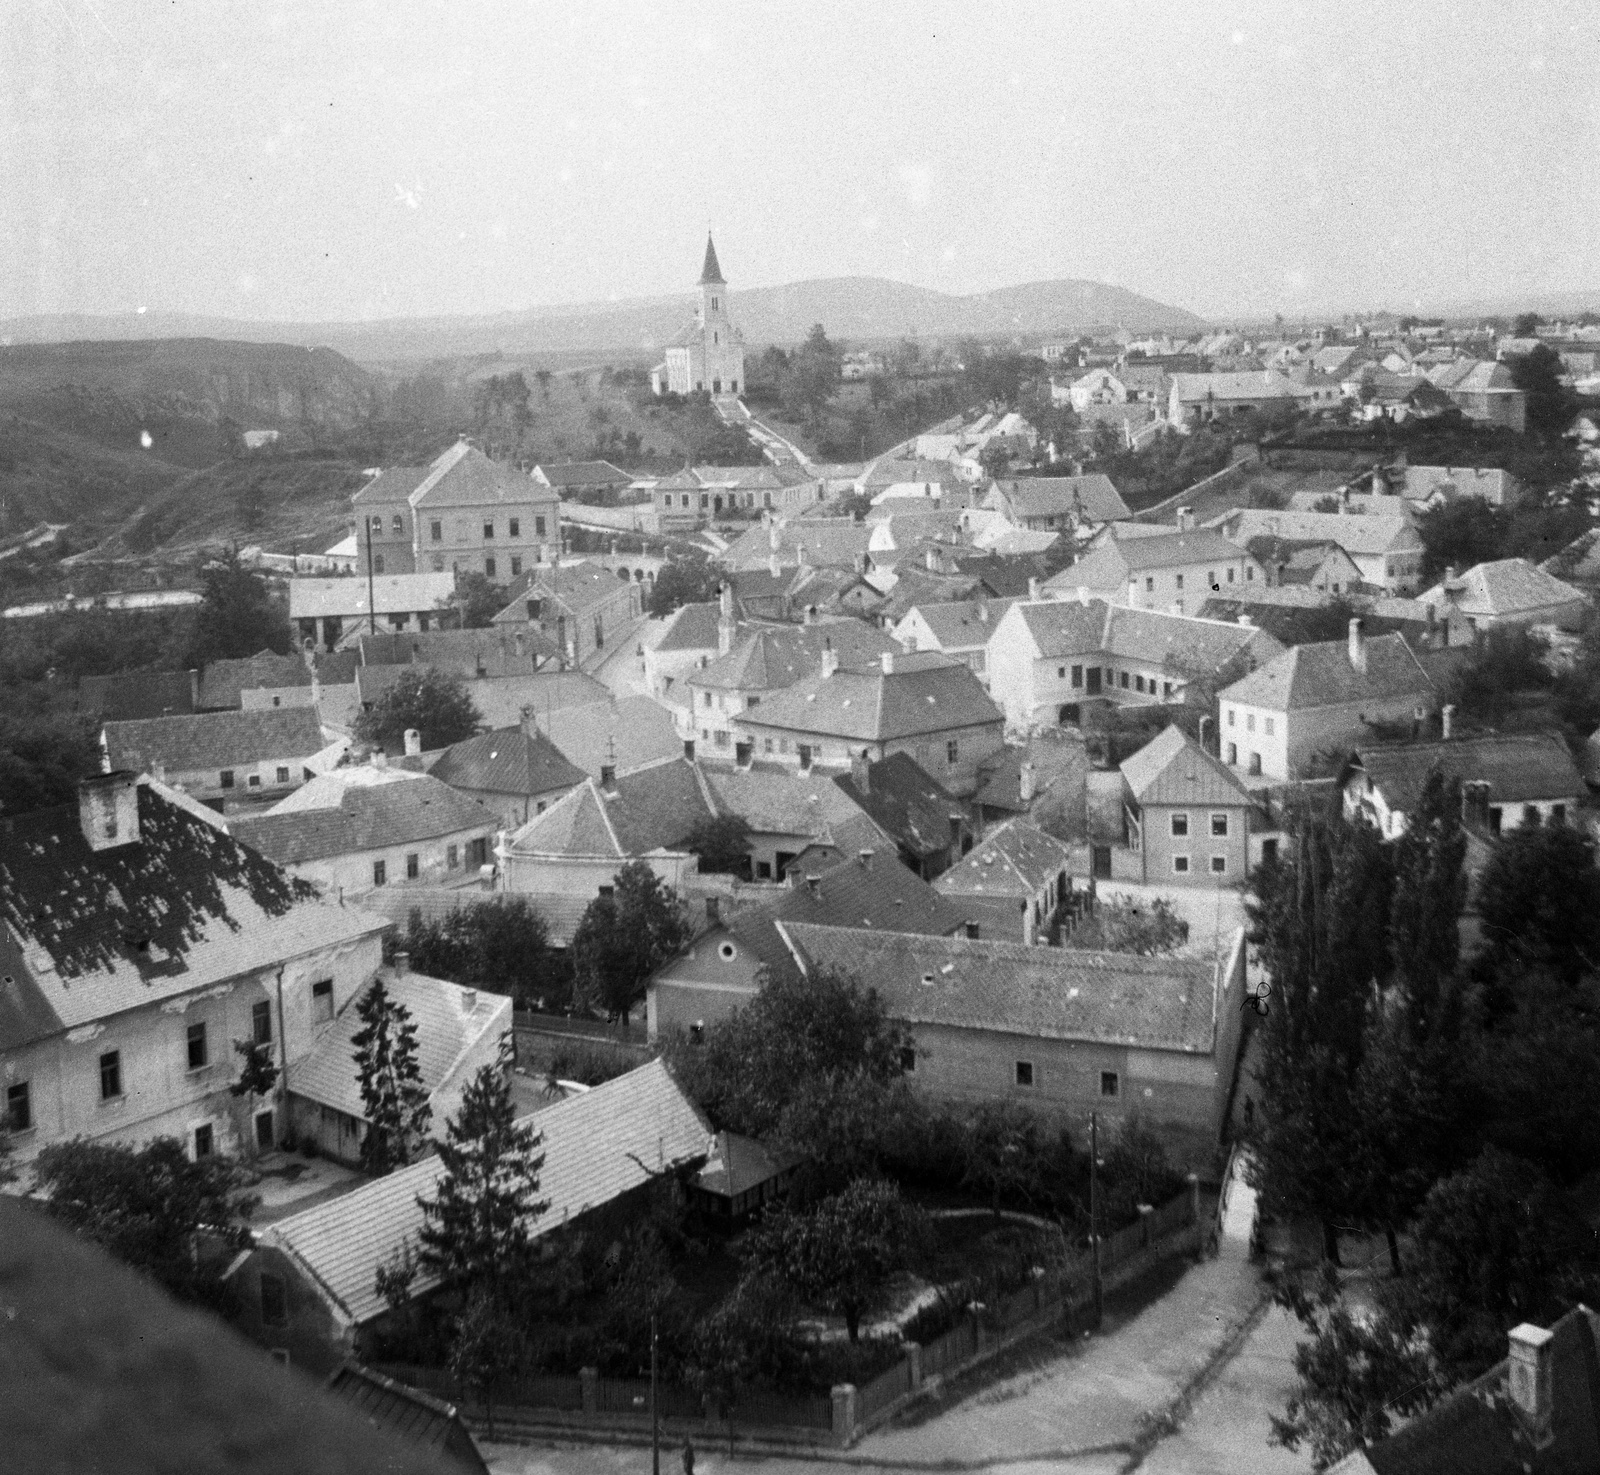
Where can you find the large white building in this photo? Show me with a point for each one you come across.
(708, 355)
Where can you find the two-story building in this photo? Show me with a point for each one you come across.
(1508, 591)
(1187, 815)
(959, 628)
(1013, 882)
(1174, 571)
(1075, 504)
(325, 611)
(1387, 549)
(516, 772)
(578, 607)
(1196, 398)
(463, 513)
(139, 941)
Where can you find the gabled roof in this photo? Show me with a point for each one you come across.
(652, 809)
(1018, 860)
(826, 540)
(561, 474)
(633, 733)
(1010, 988)
(1091, 498)
(392, 485)
(1173, 770)
(129, 696)
(1518, 767)
(370, 817)
(738, 1164)
(924, 693)
(468, 653)
(597, 1146)
(773, 658)
(1580, 559)
(464, 477)
(219, 740)
(693, 627)
(346, 597)
(1356, 533)
(1259, 384)
(88, 934)
(449, 1020)
(222, 681)
(509, 760)
(779, 801)
(1182, 643)
(1507, 586)
(419, 1418)
(910, 806)
(576, 587)
(964, 623)
(1296, 561)
(1320, 675)
(889, 473)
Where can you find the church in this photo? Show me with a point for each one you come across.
(708, 355)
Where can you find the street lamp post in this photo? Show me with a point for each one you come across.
(1094, 1213)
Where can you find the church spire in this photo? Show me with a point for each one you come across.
(711, 273)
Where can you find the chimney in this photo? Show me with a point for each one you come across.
(1449, 573)
(813, 885)
(1358, 647)
(800, 555)
(608, 777)
(1027, 924)
(1532, 1379)
(1244, 620)
(863, 858)
(810, 615)
(530, 723)
(972, 930)
(887, 660)
(413, 742)
(1083, 595)
(194, 685)
(469, 1000)
(861, 771)
(725, 626)
(380, 759)
(774, 541)
(1447, 721)
(772, 564)
(1033, 590)
(983, 613)
(402, 962)
(1186, 519)
(1025, 781)
(108, 809)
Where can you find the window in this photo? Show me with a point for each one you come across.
(1180, 824)
(380, 873)
(1124, 681)
(516, 567)
(1211, 577)
(1230, 576)
(1138, 683)
(413, 866)
(1530, 814)
(538, 526)
(1249, 573)
(283, 773)
(322, 1001)
(1230, 716)
(1061, 673)
(951, 750)
(19, 1107)
(274, 1301)
(397, 525)
(1255, 763)
(1268, 723)
(436, 531)
(1558, 814)
(1077, 675)
(198, 1054)
(438, 563)
(452, 854)
(1180, 865)
(515, 530)
(1219, 824)
(1166, 687)
(488, 568)
(1219, 865)
(111, 1075)
(488, 530)
(908, 1059)
(1180, 581)
(375, 526)
(254, 781)
(226, 778)
(1150, 585)
(1110, 1084)
(1249, 721)
(766, 745)
(377, 564)
(1024, 1072)
(261, 1023)
(205, 1140)
(608, 891)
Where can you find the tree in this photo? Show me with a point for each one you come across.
(393, 1098)
(433, 701)
(686, 578)
(238, 615)
(145, 1205)
(1551, 404)
(478, 599)
(500, 943)
(840, 1255)
(477, 1229)
(543, 376)
(1000, 1154)
(1525, 325)
(1539, 901)
(815, 369)
(1504, 662)
(722, 844)
(257, 1074)
(486, 1345)
(995, 459)
(1430, 889)
(623, 938)
(42, 757)
(1458, 534)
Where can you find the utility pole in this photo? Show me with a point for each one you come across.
(1094, 1213)
(372, 600)
(655, 1420)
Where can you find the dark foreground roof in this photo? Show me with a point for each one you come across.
(420, 1419)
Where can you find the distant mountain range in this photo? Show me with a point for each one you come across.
(851, 308)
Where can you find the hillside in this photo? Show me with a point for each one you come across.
(852, 308)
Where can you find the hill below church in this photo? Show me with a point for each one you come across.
(851, 308)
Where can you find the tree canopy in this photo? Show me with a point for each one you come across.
(623, 938)
(434, 701)
(500, 943)
(393, 1098)
(238, 614)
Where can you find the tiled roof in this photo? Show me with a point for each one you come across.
(1508, 586)
(597, 1146)
(419, 1418)
(1038, 992)
(925, 693)
(915, 589)
(502, 701)
(776, 801)
(895, 473)
(826, 540)
(346, 598)
(1092, 498)
(1488, 482)
(222, 681)
(738, 1164)
(366, 818)
(635, 732)
(652, 809)
(577, 588)
(133, 695)
(446, 1028)
(1518, 767)
(584, 474)
(575, 825)
(1320, 675)
(464, 477)
(906, 803)
(1172, 770)
(1580, 559)
(494, 652)
(1356, 533)
(694, 627)
(1260, 384)
(1295, 561)
(776, 657)
(1183, 643)
(214, 739)
(88, 934)
(393, 485)
(509, 760)
(1018, 860)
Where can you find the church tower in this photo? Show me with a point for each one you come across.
(708, 356)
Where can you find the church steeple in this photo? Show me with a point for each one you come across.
(711, 273)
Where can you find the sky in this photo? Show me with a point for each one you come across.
(317, 160)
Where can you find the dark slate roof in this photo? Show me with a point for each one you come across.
(214, 739)
(711, 272)
(221, 682)
(1172, 770)
(498, 652)
(204, 907)
(909, 805)
(1018, 860)
(418, 1418)
(1518, 767)
(652, 809)
(367, 818)
(925, 693)
(584, 474)
(1010, 988)
(1477, 1430)
(509, 760)
(738, 1164)
(1320, 675)
(135, 695)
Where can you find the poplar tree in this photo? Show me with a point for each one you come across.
(393, 1098)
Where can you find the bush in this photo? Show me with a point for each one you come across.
(1122, 927)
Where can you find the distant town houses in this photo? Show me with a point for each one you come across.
(1508, 591)
(1077, 504)
(1174, 570)
(1386, 549)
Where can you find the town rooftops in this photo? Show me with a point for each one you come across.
(1171, 769)
(179, 906)
(693, 627)
(449, 1020)
(1356, 533)
(905, 802)
(1322, 675)
(366, 817)
(630, 734)
(509, 760)
(1181, 643)
(1040, 992)
(889, 473)
(466, 652)
(963, 623)
(653, 809)
(207, 740)
(1091, 498)
(1255, 384)
(815, 540)
(346, 598)
(902, 696)
(1108, 566)
(774, 801)
(1505, 587)
(423, 1421)
(597, 1146)
(1517, 767)
(564, 474)
(1016, 860)
(1487, 482)
(222, 682)
(576, 588)
(775, 657)
(460, 477)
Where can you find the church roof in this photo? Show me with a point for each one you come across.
(711, 272)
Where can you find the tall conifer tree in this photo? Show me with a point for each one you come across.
(392, 1094)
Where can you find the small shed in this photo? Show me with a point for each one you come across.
(740, 1178)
